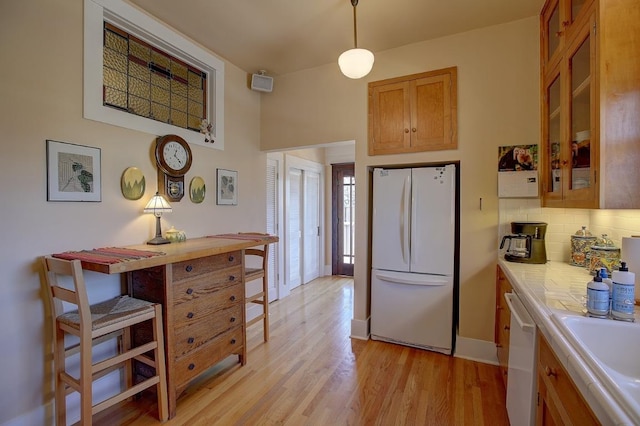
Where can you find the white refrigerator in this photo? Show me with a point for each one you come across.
(413, 251)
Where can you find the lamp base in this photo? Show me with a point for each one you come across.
(158, 240)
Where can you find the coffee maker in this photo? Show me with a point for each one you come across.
(526, 243)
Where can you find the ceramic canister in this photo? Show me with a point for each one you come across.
(581, 243)
(603, 255)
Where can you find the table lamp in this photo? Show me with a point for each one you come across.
(158, 205)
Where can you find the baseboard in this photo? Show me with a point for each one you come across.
(360, 329)
(475, 350)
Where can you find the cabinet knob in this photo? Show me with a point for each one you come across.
(232, 298)
(191, 340)
(550, 372)
(190, 315)
(233, 341)
(506, 327)
(565, 162)
(413, 129)
(189, 290)
(191, 366)
(188, 268)
(232, 277)
(232, 319)
(406, 130)
(231, 258)
(498, 345)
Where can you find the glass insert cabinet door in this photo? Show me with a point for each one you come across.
(568, 127)
(558, 20)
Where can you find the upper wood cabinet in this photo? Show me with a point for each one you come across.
(590, 109)
(414, 113)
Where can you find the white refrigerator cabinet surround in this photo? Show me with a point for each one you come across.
(413, 244)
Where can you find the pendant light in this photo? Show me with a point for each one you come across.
(355, 63)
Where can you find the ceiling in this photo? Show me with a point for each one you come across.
(284, 36)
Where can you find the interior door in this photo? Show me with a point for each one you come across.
(343, 219)
(311, 239)
(294, 229)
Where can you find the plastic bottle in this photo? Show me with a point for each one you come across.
(623, 298)
(608, 282)
(597, 297)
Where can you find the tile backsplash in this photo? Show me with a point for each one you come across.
(562, 223)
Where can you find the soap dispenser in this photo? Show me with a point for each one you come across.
(623, 297)
(597, 297)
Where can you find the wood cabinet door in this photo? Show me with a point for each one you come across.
(432, 118)
(390, 118)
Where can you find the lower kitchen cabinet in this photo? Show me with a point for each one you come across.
(559, 400)
(502, 322)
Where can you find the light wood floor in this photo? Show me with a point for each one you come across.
(312, 373)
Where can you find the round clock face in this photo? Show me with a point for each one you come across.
(173, 155)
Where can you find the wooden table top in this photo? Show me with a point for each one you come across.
(177, 252)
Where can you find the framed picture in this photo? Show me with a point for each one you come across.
(73, 172)
(227, 193)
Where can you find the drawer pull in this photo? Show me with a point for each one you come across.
(233, 341)
(232, 298)
(189, 290)
(189, 268)
(190, 315)
(191, 340)
(232, 277)
(232, 319)
(231, 258)
(191, 366)
(550, 372)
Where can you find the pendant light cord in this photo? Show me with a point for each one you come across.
(355, 25)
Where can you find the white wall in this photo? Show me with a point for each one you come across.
(41, 98)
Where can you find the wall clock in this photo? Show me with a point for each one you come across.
(173, 157)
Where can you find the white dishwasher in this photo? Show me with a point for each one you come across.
(521, 379)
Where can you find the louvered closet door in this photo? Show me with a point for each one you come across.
(272, 226)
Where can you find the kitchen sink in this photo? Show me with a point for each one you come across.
(612, 350)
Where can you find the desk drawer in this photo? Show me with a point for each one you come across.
(196, 334)
(206, 286)
(203, 265)
(201, 307)
(191, 365)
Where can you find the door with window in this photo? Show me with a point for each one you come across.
(343, 222)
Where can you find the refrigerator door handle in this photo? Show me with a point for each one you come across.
(403, 278)
(404, 219)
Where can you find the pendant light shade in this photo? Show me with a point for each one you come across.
(355, 63)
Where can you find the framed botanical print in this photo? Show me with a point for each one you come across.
(227, 190)
(73, 172)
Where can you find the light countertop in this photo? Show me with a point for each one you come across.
(558, 286)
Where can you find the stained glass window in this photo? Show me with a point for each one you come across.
(143, 80)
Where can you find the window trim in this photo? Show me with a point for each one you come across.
(153, 32)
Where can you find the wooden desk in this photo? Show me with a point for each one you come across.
(200, 284)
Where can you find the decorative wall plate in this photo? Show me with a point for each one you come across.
(197, 190)
(132, 184)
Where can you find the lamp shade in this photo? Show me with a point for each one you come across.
(356, 63)
(157, 205)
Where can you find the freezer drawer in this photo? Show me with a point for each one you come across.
(412, 309)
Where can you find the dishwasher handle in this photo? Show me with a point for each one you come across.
(515, 308)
